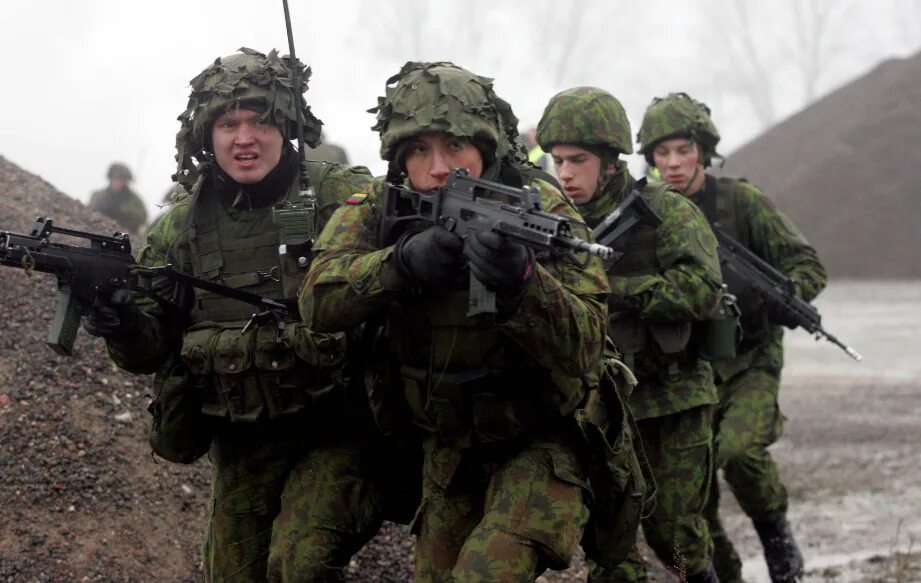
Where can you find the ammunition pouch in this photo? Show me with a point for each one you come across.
(670, 339)
(722, 333)
(622, 484)
(179, 432)
(253, 377)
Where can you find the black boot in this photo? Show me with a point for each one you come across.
(783, 557)
(708, 575)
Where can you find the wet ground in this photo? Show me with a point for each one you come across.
(851, 452)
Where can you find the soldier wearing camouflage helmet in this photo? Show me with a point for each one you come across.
(667, 281)
(118, 202)
(292, 495)
(505, 491)
(679, 138)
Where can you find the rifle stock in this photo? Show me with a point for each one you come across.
(632, 212)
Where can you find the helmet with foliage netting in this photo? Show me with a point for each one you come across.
(245, 80)
(585, 116)
(442, 97)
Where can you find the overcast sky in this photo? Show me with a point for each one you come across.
(89, 82)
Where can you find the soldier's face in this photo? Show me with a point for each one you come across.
(429, 159)
(678, 161)
(245, 147)
(578, 170)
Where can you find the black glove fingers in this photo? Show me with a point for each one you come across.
(492, 241)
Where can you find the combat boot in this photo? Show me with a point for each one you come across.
(708, 575)
(783, 557)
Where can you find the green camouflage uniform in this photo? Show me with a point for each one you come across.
(667, 281)
(748, 419)
(123, 206)
(504, 481)
(292, 492)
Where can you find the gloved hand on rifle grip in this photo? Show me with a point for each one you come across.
(778, 314)
(500, 264)
(115, 316)
(432, 257)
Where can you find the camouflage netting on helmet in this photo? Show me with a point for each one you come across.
(119, 171)
(442, 97)
(249, 80)
(585, 116)
(678, 115)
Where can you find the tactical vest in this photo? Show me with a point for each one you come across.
(719, 202)
(631, 334)
(461, 379)
(253, 376)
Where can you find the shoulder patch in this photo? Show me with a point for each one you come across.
(357, 198)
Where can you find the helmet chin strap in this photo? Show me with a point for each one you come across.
(691, 180)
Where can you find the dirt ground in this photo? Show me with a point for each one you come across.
(81, 499)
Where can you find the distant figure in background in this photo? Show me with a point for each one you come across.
(536, 155)
(679, 138)
(118, 202)
(327, 152)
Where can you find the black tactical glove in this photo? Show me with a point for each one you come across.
(431, 257)
(114, 317)
(501, 265)
(777, 313)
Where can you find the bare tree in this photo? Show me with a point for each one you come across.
(763, 63)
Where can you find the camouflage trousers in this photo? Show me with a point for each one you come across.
(747, 422)
(490, 515)
(285, 509)
(679, 448)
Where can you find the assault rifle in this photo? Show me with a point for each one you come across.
(744, 270)
(465, 205)
(87, 273)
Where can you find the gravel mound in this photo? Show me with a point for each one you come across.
(848, 171)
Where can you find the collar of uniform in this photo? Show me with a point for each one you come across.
(613, 191)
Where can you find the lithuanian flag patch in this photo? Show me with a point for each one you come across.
(357, 198)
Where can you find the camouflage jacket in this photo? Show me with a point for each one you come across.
(123, 206)
(752, 218)
(676, 284)
(168, 242)
(553, 334)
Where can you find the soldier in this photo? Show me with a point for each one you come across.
(291, 496)
(667, 280)
(118, 202)
(679, 138)
(505, 491)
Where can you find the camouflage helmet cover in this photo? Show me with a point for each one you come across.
(678, 114)
(440, 96)
(119, 171)
(247, 79)
(586, 116)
